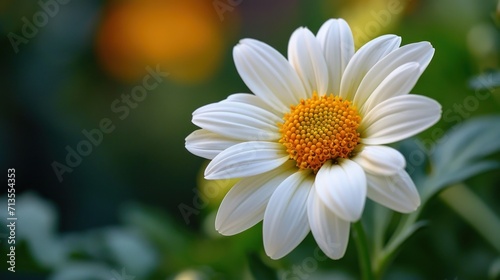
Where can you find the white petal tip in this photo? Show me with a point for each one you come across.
(412, 207)
(408, 210)
(353, 217)
(336, 254)
(242, 41)
(225, 229)
(212, 177)
(209, 175)
(274, 255)
(246, 41)
(225, 232)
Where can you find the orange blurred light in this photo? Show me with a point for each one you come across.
(185, 37)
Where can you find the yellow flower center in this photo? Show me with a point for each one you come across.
(319, 129)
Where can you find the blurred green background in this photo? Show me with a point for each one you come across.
(67, 65)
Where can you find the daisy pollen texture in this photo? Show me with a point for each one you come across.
(308, 141)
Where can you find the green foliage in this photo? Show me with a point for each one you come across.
(81, 228)
(462, 154)
(457, 157)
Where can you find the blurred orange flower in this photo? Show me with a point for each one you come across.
(184, 37)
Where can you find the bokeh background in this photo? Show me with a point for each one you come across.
(136, 205)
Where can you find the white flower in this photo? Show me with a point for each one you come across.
(309, 144)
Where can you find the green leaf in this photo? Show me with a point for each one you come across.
(383, 259)
(259, 269)
(458, 155)
(435, 184)
(467, 142)
(408, 231)
(381, 219)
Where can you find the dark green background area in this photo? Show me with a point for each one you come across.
(141, 173)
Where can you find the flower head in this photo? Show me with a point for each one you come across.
(308, 143)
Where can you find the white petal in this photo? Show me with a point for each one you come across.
(285, 220)
(363, 60)
(398, 82)
(398, 118)
(268, 74)
(342, 188)
(380, 160)
(306, 57)
(238, 120)
(206, 144)
(253, 100)
(330, 232)
(421, 53)
(397, 192)
(337, 42)
(244, 205)
(246, 159)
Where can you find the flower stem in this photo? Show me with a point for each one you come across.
(363, 251)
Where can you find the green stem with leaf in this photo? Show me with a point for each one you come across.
(363, 251)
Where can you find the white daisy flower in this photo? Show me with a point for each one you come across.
(308, 143)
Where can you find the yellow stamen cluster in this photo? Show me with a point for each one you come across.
(320, 129)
